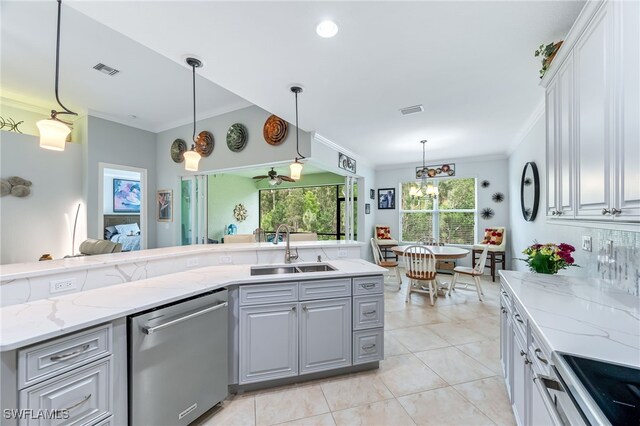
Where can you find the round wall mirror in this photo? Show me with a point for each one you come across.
(530, 191)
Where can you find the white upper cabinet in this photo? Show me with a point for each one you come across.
(593, 54)
(593, 117)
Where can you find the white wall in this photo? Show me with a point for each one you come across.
(533, 148)
(491, 168)
(43, 221)
(107, 188)
(225, 192)
(256, 153)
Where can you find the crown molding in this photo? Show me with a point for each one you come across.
(334, 146)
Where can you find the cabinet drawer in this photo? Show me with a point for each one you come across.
(261, 294)
(83, 396)
(539, 354)
(367, 285)
(368, 312)
(519, 322)
(325, 289)
(39, 362)
(368, 346)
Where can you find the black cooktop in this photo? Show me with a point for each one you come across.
(614, 388)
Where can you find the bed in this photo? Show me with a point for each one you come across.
(123, 229)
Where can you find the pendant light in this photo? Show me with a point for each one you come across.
(296, 166)
(53, 131)
(427, 189)
(192, 157)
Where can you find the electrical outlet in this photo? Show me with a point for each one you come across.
(225, 260)
(586, 243)
(191, 262)
(342, 253)
(60, 286)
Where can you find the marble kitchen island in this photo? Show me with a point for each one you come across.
(89, 328)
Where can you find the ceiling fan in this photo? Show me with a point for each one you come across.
(274, 178)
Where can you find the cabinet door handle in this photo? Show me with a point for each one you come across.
(522, 353)
(293, 308)
(605, 211)
(368, 285)
(77, 404)
(304, 308)
(559, 212)
(69, 355)
(615, 211)
(537, 352)
(369, 312)
(368, 347)
(517, 317)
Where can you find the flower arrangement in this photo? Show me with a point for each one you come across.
(549, 258)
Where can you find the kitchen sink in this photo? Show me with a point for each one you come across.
(320, 267)
(293, 269)
(271, 270)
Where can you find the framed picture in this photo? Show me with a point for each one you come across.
(126, 196)
(372, 194)
(436, 171)
(164, 202)
(386, 199)
(346, 163)
(367, 208)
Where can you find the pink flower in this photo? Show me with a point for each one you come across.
(566, 247)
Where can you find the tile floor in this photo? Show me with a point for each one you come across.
(441, 367)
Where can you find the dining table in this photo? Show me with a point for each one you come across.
(440, 253)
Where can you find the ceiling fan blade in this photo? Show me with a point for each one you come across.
(286, 178)
(260, 177)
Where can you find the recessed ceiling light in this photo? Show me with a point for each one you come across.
(327, 29)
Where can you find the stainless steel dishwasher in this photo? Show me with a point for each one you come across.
(178, 360)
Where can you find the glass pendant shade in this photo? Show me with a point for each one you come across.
(415, 191)
(432, 191)
(296, 170)
(191, 160)
(53, 134)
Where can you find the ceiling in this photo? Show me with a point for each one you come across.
(470, 64)
(151, 87)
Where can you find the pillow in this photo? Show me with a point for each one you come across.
(383, 233)
(493, 237)
(127, 229)
(109, 232)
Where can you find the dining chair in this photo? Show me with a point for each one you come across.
(475, 272)
(390, 265)
(420, 264)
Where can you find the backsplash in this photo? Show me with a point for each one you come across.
(616, 259)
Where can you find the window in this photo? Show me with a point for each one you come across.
(317, 209)
(450, 218)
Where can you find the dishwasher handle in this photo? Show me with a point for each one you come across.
(150, 330)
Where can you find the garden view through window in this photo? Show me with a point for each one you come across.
(449, 218)
(318, 209)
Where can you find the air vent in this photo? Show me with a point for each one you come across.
(105, 69)
(412, 110)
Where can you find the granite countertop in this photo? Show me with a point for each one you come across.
(580, 316)
(32, 269)
(27, 323)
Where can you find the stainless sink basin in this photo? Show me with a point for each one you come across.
(293, 269)
(271, 270)
(320, 267)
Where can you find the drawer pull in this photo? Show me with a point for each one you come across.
(79, 403)
(538, 352)
(70, 355)
(368, 347)
(505, 294)
(304, 308)
(368, 285)
(517, 317)
(522, 353)
(369, 312)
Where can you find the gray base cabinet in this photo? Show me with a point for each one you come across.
(325, 334)
(268, 342)
(295, 328)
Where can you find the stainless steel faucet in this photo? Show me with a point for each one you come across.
(288, 257)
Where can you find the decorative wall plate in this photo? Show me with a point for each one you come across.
(275, 130)
(240, 212)
(204, 143)
(237, 137)
(178, 147)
